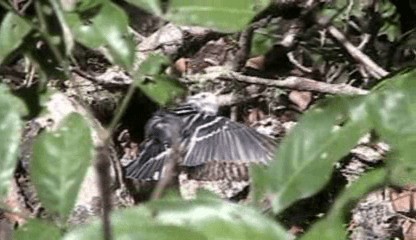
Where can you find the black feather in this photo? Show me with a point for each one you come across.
(204, 138)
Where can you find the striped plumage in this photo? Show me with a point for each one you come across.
(213, 147)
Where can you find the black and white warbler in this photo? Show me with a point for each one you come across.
(204, 138)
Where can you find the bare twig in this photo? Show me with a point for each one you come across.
(375, 70)
(295, 62)
(298, 83)
(103, 165)
(244, 43)
(110, 78)
(170, 171)
(103, 172)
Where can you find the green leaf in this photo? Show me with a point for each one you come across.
(304, 161)
(60, 162)
(125, 230)
(11, 108)
(108, 28)
(333, 226)
(37, 230)
(153, 65)
(178, 219)
(209, 215)
(393, 107)
(393, 112)
(156, 85)
(232, 15)
(161, 89)
(12, 31)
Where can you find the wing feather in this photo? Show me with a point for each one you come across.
(205, 138)
(220, 139)
(149, 163)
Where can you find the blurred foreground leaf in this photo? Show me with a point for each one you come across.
(60, 162)
(156, 85)
(37, 230)
(305, 160)
(12, 31)
(178, 219)
(333, 225)
(11, 109)
(393, 112)
(106, 28)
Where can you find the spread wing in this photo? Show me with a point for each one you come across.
(149, 163)
(206, 139)
(216, 138)
(161, 130)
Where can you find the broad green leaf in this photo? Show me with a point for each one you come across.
(304, 161)
(232, 15)
(153, 65)
(199, 219)
(107, 28)
(12, 31)
(11, 108)
(37, 230)
(126, 230)
(393, 112)
(161, 88)
(60, 162)
(333, 225)
(209, 215)
(402, 166)
(156, 85)
(393, 107)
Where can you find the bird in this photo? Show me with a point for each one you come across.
(214, 150)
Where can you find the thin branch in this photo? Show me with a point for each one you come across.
(44, 32)
(109, 79)
(103, 172)
(103, 164)
(170, 171)
(297, 64)
(375, 70)
(244, 43)
(297, 83)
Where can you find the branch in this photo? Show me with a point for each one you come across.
(170, 175)
(375, 70)
(244, 43)
(103, 172)
(296, 83)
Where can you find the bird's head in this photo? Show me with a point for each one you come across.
(164, 126)
(205, 102)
